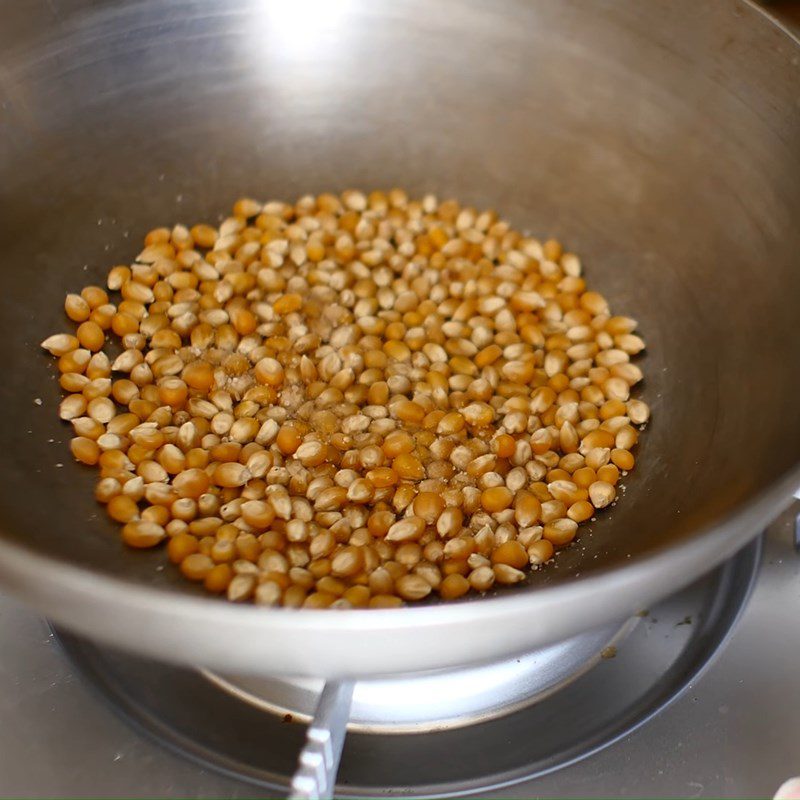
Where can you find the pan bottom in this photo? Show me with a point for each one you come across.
(441, 699)
(564, 714)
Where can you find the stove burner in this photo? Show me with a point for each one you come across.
(441, 699)
(476, 729)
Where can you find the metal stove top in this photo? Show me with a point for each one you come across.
(733, 733)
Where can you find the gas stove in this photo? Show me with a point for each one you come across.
(697, 697)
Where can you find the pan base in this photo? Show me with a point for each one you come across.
(433, 701)
(225, 723)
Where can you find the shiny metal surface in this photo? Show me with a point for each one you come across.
(439, 700)
(659, 140)
(315, 776)
(733, 733)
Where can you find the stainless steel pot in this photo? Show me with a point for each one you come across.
(659, 140)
